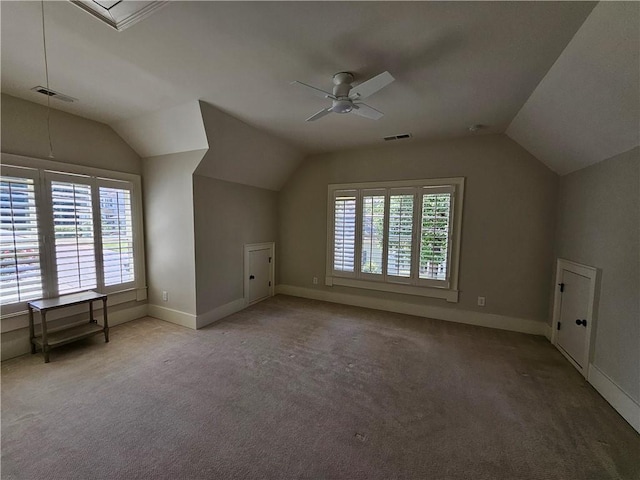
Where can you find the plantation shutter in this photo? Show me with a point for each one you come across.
(344, 233)
(400, 234)
(20, 271)
(372, 235)
(117, 232)
(74, 238)
(435, 235)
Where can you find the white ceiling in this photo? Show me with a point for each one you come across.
(455, 63)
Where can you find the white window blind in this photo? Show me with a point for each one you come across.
(20, 272)
(372, 234)
(434, 238)
(117, 235)
(73, 236)
(344, 232)
(67, 231)
(400, 235)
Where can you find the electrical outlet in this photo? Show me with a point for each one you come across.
(315, 280)
(481, 301)
(165, 296)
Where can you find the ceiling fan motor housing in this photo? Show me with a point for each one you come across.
(342, 106)
(342, 86)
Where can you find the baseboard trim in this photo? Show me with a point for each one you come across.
(221, 312)
(548, 332)
(126, 315)
(626, 406)
(173, 316)
(469, 317)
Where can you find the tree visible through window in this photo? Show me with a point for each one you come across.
(434, 237)
(401, 232)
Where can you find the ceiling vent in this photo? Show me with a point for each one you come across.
(53, 94)
(119, 14)
(400, 136)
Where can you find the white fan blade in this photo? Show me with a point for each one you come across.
(320, 114)
(316, 91)
(371, 86)
(366, 111)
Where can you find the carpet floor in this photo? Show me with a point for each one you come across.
(295, 388)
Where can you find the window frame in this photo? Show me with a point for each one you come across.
(34, 175)
(43, 172)
(414, 285)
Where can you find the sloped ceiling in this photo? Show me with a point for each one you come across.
(455, 63)
(232, 150)
(587, 107)
(172, 130)
(243, 154)
(565, 88)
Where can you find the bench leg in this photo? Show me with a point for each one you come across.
(106, 322)
(45, 343)
(32, 334)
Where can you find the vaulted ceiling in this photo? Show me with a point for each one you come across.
(456, 63)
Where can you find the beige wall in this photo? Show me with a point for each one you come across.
(228, 216)
(599, 211)
(508, 220)
(76, 140)
(235, 202)
(169, 229)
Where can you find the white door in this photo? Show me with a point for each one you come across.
(259, 274)
(573, 328)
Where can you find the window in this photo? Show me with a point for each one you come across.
(74, 238)
(20, 273)
(401, 237)
(345, 232)
(63, 233)
(117, 235)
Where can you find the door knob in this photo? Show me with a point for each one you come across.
(251, 277)
(581, 322)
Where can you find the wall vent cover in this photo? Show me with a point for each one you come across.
(53, 94)
(400, 136)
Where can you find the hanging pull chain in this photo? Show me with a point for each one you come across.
(46, 73)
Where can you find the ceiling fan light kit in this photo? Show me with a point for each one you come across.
(345, 98)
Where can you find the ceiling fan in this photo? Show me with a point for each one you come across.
(346, 98)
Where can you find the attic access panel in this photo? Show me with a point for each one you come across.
(119, 14)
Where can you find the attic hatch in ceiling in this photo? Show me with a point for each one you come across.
(119, 14)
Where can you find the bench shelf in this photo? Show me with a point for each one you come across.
(61, 336)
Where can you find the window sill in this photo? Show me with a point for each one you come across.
(449, 295)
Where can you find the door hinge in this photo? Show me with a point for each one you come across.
(559, 325)
(269, 259)
(561, 287)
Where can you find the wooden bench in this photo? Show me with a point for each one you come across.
(54, 338)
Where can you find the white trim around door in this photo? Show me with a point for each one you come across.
(271, 246)
(590, 273)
